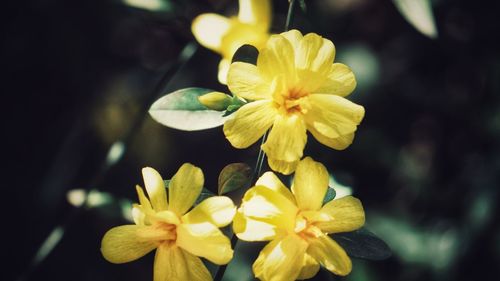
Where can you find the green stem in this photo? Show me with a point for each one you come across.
(290, 15)
(260, 158)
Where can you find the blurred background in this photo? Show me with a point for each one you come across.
(79, 77)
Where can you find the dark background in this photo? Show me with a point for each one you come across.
(80, 75)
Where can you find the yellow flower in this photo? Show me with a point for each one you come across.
(179, 237)
(296, 88)
(225, 35)
(296, 224)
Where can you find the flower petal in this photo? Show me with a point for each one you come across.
(315, 54)
(329, 254)
(218, 210)
(283, 167)
(271, 181)
(280, 259)
(310, 268)
(155, 188)
(341, 215)
(223, 70)
(248, 229)
(333, 116)
(313, 58)
(277, 59)
(205, 240)
(287, 138)
(255, 12)
(294, 37)
(250, 122)
(121, 244)
(340, 81)
(244, 80)
(172, 263)
(263, 204)
(310, 184)
(208, 29)
(184, 188)
(338, 143)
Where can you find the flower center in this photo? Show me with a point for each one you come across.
(293, 101)
(304, 228)
(159, 232)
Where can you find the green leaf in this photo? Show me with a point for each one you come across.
(234, 176)
(419, 14)
(236, 103)
(205, 193)
(363, 244)
(329, 196)
(183, 111)
(150, 5)
(246, 53)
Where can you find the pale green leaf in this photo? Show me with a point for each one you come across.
(183, 111)
(419, 14)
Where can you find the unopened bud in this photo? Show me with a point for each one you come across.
(215, 100)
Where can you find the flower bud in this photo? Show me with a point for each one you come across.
(215, 100)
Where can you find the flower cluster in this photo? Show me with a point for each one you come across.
(294, 88)
(179, 237)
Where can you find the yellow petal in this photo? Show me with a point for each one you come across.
(218, 210)
(333, 117)
(248, 229)
(341, 215)
(283, 167)
(138, 215)
(184, 188)
(271, 181)
(244, 80)
(329, 254)
(310, 268)
(121, 244)
(315, 54)
(143, 200)
(249, 123)
(209, 29)
(313, 59)
(263, 204)
(167, 216)
(280, 259)
(172, 263)
(277, 59)
(223, 70)
(294, 37)
(310, 184)
(240, 34)
(155, 188)
(205, 240)
(340, 81)
(287, 138)
(338, 143)
(255, 12)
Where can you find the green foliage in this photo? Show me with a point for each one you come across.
(183, 111)
(363, 244)
(419, 14)
(246, 53)
(330, 195)
(235, 104)
(234, 176)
